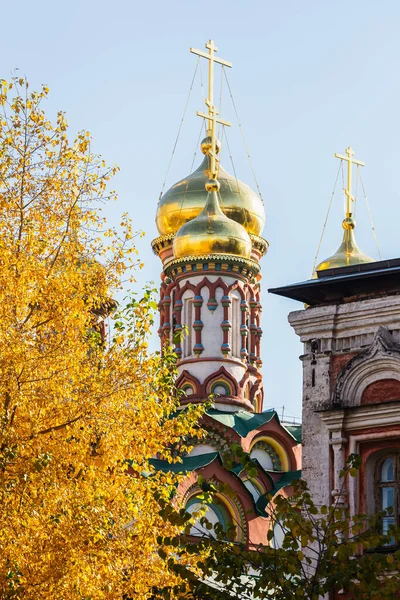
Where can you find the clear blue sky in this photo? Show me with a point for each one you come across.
(309, 79)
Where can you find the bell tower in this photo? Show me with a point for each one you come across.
(210, 247)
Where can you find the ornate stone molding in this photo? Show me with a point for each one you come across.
(259, 243)
(381, 360)
(248, 268)
(347, 326)
(161, 242)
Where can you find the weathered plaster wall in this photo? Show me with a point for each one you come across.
(333, 336)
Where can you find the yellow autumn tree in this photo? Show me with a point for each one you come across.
(76, 409)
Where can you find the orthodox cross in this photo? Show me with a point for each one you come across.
(212, 116)
(350, 161)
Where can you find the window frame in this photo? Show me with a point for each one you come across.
(395, 484)
(187, 326)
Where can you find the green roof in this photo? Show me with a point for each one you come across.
(286, 479)
(242, 421)
(295, 431)
(188, 464)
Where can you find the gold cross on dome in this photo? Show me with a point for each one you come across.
(212, 115)
(350, 161)
(212, 59)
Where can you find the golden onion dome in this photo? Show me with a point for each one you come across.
(186, 199)
(348, 252)
(212, 232)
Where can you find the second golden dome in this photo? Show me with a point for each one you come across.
(212, 233)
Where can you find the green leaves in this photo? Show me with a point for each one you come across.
(323, 549)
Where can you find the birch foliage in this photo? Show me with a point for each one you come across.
(74, 407)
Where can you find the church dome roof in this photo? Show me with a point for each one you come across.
(212, 232)
(348, 252)
(185, 200)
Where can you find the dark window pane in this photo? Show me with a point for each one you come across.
(386, 523)
(387, 496)
(387, 470)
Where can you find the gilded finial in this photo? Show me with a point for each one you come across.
(348, 252)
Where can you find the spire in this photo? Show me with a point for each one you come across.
(348, 252)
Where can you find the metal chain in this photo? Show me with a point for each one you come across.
(243, 137)
(191, 169)
(344, 195)
(370, 219)
(356, 192)
(233, 167)
(197, 147)
(327, 215)
(201, 84)
(220, 104)
(180, 128)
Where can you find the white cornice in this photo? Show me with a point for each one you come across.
(360, 318)
(363, 417)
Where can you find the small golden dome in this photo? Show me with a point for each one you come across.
(348, 252)
(212, 232)
(185, 200)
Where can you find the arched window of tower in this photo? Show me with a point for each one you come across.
(212, 317)
(257, 402)
(221, 389)
(202, 449)
(263, 458)
(173, 316)
(248, 339)
(187, 322)
(216, 512)
(266, 455)
(279, 535)
(236, 342)
(188, 390)
(252, 488)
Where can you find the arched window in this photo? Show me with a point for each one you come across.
(387, 489)
(257, 402)
(188, 389)
(266, 455)
(202, 449)
(173, 316)
(216, 512)
(236, 342)
(187, 322)
(279, 535)
(263, 457)
(253, 488)
(221, 388)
